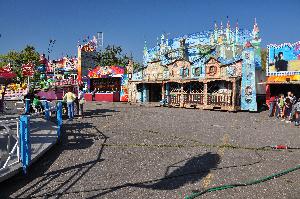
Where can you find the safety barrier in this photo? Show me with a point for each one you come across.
(21, 151)
(11, 155)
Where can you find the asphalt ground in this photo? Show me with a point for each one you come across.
(128, 151)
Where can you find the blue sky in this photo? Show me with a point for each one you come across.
(129, 22)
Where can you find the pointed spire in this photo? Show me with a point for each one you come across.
(228, 23)
(255, 27)
(216, 32)
(145, 47)
(237, 25)
(162, 38)
(221, 26)
(227, 32)
(216, 26)
(237, 32)
(255, 31)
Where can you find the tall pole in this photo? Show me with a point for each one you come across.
(28, 83)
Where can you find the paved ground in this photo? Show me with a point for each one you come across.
(116, 152)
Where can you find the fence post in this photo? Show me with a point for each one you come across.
(47, 111)
(59, 118)
(25, 144)
(27, 106)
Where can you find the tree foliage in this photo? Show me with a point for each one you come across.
(16, 59)
(264, 56)
(112, 55)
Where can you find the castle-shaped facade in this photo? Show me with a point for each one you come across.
(213, 69)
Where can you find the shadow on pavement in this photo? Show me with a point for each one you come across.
(191, 171)
(98, 113)
(37, 176)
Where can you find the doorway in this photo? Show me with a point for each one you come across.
(155, 92)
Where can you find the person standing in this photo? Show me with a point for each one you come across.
(93, 94)
(69, 98)
(288, 106)
(81, 102)
(281, 105)
(274, 106)
(296, 112)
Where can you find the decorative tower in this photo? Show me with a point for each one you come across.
(237, 32)
(145, 52)
(162, 39)
(228, 36)
(255, 31)
(221, 28)
(216, 32)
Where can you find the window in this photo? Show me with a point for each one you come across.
(197, 71)
(184, 72)
(212, 70)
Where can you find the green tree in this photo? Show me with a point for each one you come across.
(112, 55)
(264, 56)
(16, 59)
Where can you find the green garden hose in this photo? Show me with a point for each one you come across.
(230, 186)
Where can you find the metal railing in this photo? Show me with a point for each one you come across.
(11, 155)
(20, 137)
(219, 99)
(193, 98)
(175, 98)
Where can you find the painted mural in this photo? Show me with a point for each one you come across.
(224, 43)
(106, 71)
(248, 97)
(124, 88)
(284, 59)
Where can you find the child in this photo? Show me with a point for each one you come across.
(36, 104)
(281, 105)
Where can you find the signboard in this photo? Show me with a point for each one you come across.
(27, 70)
(284, 59)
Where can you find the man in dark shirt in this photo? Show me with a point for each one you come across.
(280, 63)
(30, 96)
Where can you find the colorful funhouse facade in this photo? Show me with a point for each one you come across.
(283, 69)
(210, 70)
(101, 83)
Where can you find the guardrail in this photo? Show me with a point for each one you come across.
(11, 153)
(21, 150)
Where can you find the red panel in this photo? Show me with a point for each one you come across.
(116, 97)
(104, 97)
(268, 95)
(88, 96)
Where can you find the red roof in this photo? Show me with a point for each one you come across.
(7, 73)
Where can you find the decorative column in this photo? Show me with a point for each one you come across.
(163, 94)
(268, 94)
(168, 93)
(145, 95)
(181, 96)
(233, 100)
(205, 94)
